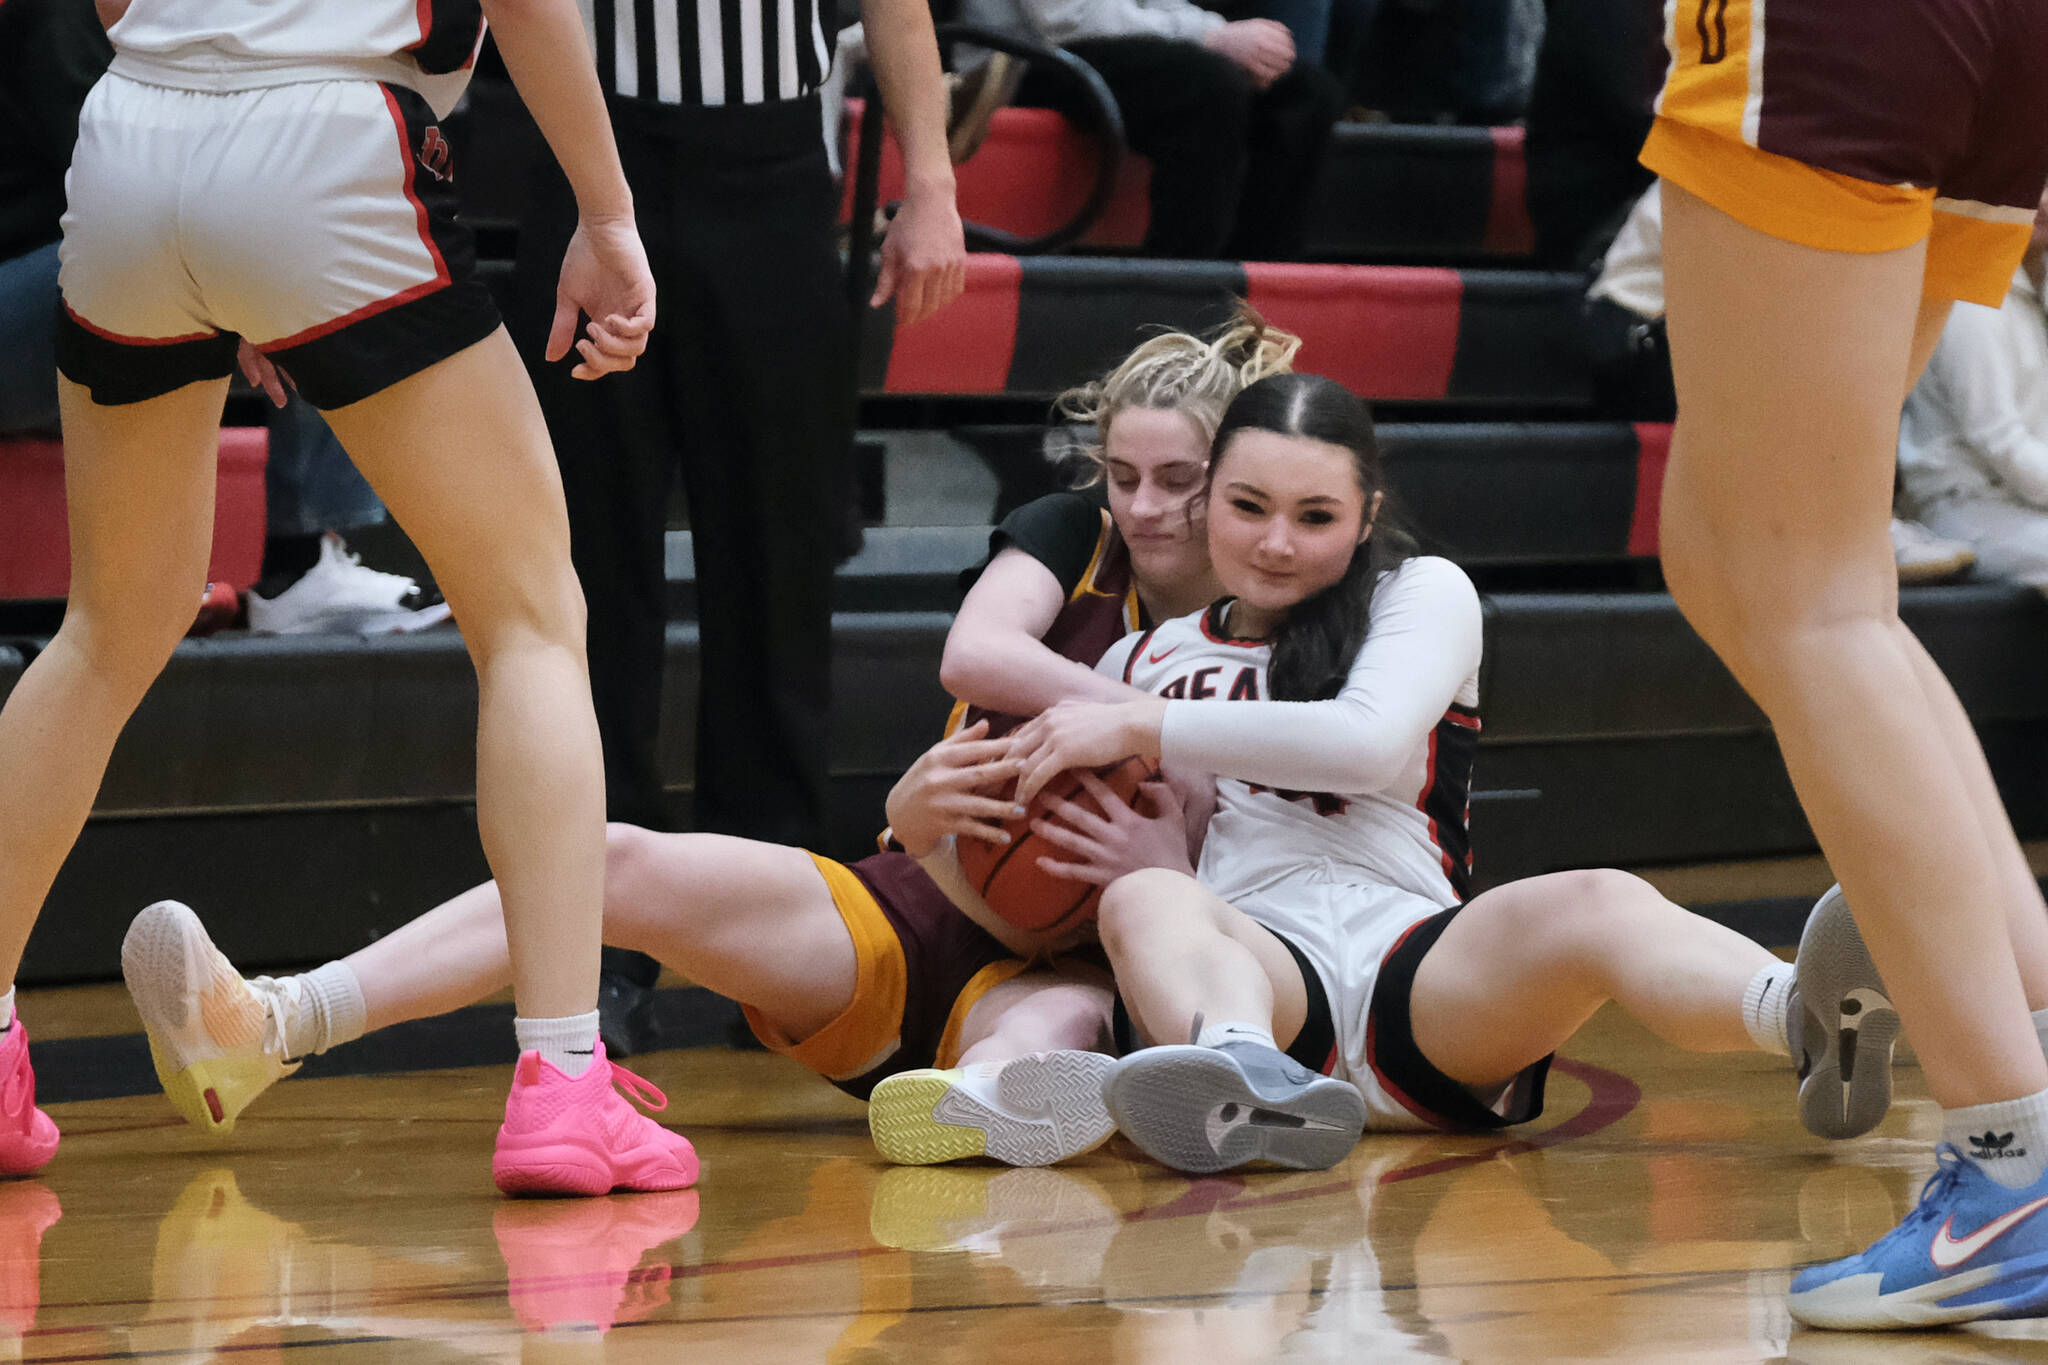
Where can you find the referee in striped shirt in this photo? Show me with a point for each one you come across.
(746, 390)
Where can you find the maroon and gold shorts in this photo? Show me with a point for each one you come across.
(921, 966)
(1865, 125)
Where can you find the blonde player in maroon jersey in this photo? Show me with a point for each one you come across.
(270, 174)
(872, 974)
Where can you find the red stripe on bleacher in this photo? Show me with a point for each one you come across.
(1509, 231)
(1381, 331)
(967, 346)
(1653, 452)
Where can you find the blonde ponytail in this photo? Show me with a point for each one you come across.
(1194, 376)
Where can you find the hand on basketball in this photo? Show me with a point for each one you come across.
(605, 278)
(258, 369)
(1084, 734)
(924, 259)
(1149, 832)
(946, 792)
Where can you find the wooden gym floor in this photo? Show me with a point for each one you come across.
(1654, 1213)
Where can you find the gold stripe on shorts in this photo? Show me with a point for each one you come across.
(978, 985)
(870, 1028)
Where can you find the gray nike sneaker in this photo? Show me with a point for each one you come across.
(1203, 1109)
(1843, 1026)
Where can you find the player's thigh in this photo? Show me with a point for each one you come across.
(139, 487)
(754, 921)
(1070, 1011)
(1510, 978)
(460, 455)
(1789, 364)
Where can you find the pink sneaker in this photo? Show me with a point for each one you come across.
(28, 1136)
(565, 1135)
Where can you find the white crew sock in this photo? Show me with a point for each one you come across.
(1215, 1035)
(7, 1009)
(1766, 1007)
(2040, 1026)
(2009, 1139)
(323, 1009)
(569, 1043)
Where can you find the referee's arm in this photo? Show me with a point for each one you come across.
(924, 257)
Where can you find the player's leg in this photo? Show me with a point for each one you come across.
(753, 921)
(1191, 966)
(139, 486)
(1790, 362)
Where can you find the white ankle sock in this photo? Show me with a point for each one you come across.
(323, 1009)
(2040, 1026)
(2008, 1139)
(7, 1009)
(1215, 1035)
(569, 1043)
(1766, 1003)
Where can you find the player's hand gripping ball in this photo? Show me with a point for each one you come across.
(1008, 875)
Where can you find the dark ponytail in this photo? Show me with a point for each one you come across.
(1319, 641)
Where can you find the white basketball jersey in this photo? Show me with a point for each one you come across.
(429, 45)
(1408, 831)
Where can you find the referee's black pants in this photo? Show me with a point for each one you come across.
(1232, 165)
(746, 390)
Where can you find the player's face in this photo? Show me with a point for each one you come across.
(1285, 514)
(1158, 462)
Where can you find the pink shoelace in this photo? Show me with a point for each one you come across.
(639, 1088)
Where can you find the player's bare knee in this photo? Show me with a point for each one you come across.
(1592, 913)
(629, 876)
(1137, 904)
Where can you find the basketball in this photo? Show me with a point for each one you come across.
(1008, 875)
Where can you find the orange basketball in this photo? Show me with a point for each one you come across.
(1008, 875)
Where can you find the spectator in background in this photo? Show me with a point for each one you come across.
(1973, 445)
(1597, 75)
(1234, 125)
(1630, 359)
(51, 52)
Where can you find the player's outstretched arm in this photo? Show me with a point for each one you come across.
(604, 274)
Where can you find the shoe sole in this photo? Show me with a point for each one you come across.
(403, 622)
(1848, 1306)
(570, 1168)
(1048, 1108)
(1848, 1089)
(1193, 1109)
(211, 1093)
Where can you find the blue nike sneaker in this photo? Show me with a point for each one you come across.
(1970, 1250)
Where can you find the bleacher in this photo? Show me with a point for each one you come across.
(311, 793)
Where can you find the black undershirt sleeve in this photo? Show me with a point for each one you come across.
(1059, 530)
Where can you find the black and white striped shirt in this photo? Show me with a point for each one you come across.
(712, 51)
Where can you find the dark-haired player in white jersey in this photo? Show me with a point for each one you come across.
(269, 174)
(1334, 696)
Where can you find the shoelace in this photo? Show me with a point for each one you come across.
(1948, 1173)
(355, 562)
(639, 1088)
(271, 991)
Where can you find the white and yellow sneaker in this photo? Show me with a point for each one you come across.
(216, 1039)
(1030, 1111)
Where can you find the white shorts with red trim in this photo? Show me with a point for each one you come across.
(317, 220)
(1345, 929)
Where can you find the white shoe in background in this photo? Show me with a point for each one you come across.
(1924, 557)
(339, 595)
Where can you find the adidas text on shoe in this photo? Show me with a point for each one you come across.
(216, 1040)
(578, 1135)
(1029, 1111)
(1202, 1109)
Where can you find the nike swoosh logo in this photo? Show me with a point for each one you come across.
(1156, 658)
(1948, 1252)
